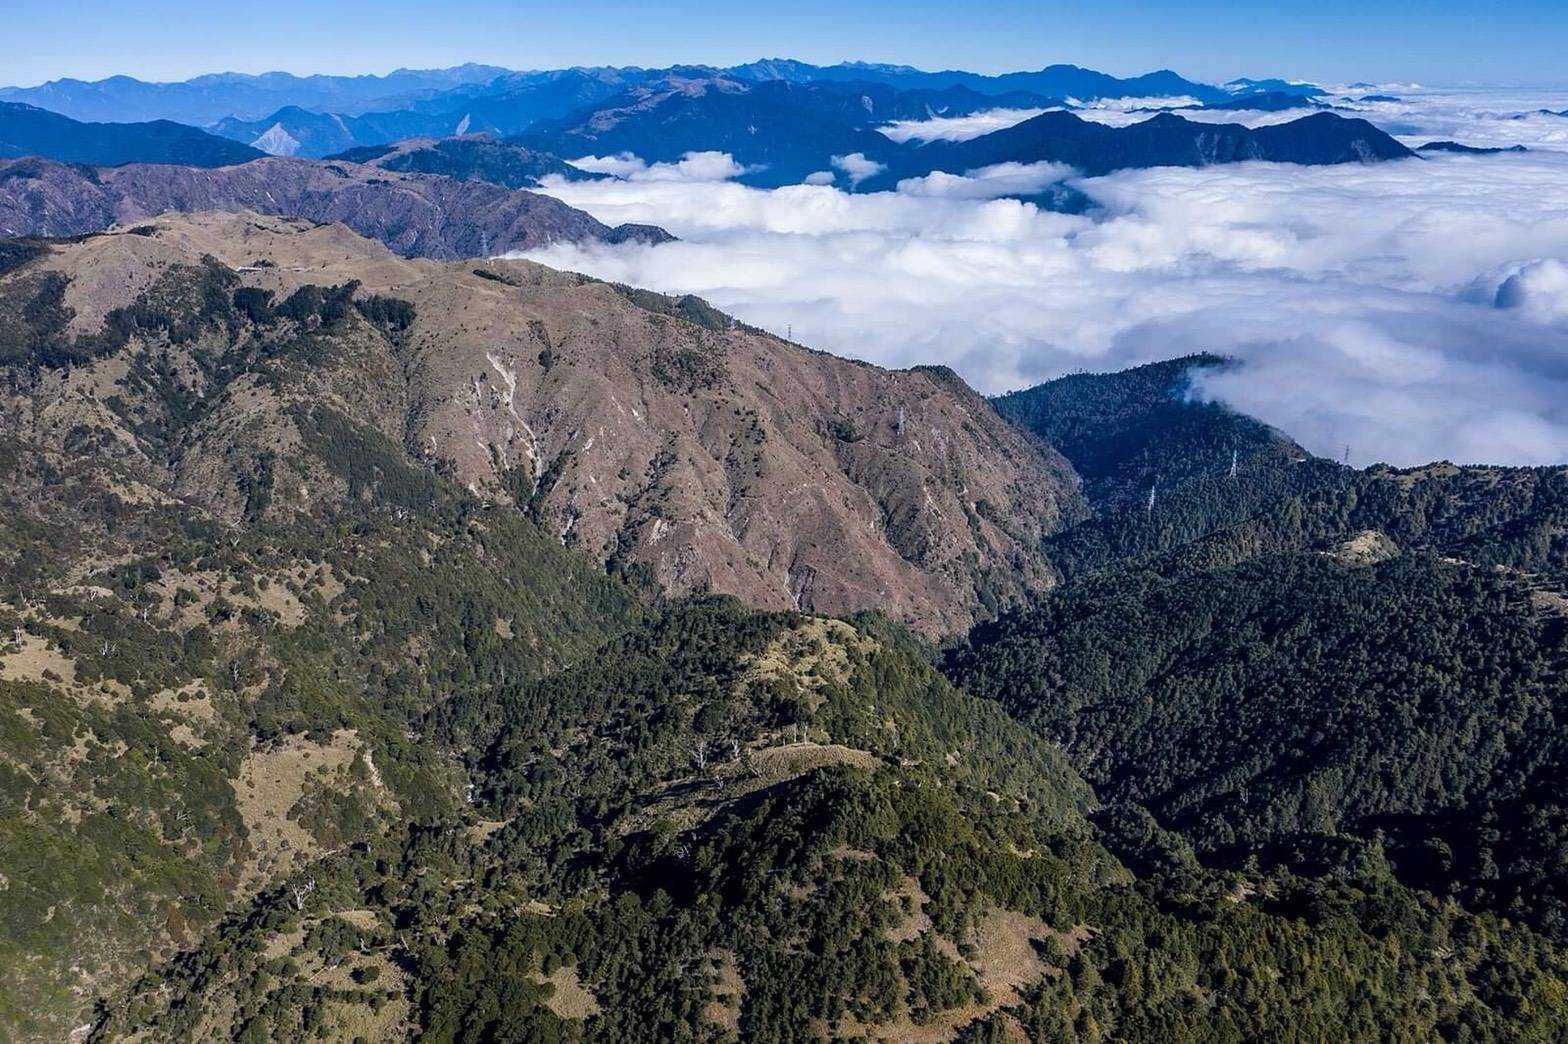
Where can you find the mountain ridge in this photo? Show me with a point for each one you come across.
(272, 91)
(647, 431)
(417, 215)
(27, 130)
(1162, 140)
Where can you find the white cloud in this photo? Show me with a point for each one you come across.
(1492, 118)
(1245, 117)
(1415, 310)
(1539, 289)
(694, 166)
(623, 165)
(957, 128)
(1127, 104)
(820, 177)
(858, 167)
(1002, 179)
(1116, 111)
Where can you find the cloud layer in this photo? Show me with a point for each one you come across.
(694, 166)
(1485, 118)
(1001, 179)
(1415, 310)
(957, 128)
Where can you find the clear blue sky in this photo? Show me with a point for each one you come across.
(1438, 41)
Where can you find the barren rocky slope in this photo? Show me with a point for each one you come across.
(649, 432)
(416, 215)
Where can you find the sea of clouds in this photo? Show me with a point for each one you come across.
(1415, 310)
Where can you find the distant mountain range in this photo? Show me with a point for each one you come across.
(1269, 101)
(1468, 150)
(207, 99)
(416, 215)
(780, 132)
(29, 131)
(1062, 81)
(283, 114)
(1247, 85)
(296, 131)
(783, 131)
(498, 95)
(782, 121)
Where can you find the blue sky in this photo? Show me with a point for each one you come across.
(1437, 41)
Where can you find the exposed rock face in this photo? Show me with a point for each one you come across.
(416, 215)
(641, 429)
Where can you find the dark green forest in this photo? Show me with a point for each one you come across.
(1299, 710)
(644, 871)
(1300, 664)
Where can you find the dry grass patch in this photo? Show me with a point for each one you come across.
(1004, 957)
(911, 899)
(1368, 547)
(1549, 602)
(270, 782)
(811, 655)
(192, 700)
(135, 491)
(283, 944)
(729, 993)
(350, 1020)
(35, 659)
(362, 919)
(571, 999)
(480, 832)
(792, 760)
(280, 594)
(193, 704)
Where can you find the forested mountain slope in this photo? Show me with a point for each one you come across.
(193, 703)
(1295, 661)
(1320, 708)
(1143, 428)
(358, 678)
(1228, 487)
(770, 827)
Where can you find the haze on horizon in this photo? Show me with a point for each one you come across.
(1447, 41)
